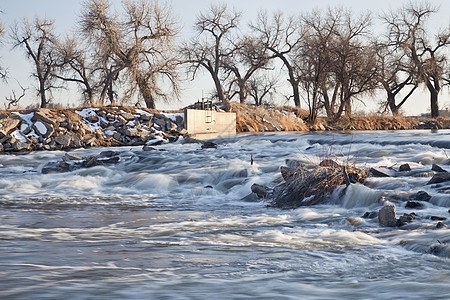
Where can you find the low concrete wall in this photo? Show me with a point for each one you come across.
(209, 124)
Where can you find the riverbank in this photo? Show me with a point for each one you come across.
(63, 129)
(260, 119)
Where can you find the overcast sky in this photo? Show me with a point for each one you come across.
(66, 13)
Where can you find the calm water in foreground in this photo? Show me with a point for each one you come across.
(172, 225)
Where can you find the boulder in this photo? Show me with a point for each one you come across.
(72, 156)
(75, 141)
(386, 216)
(146, 117)
(110, 117)
(108, 154)
(414, 205)
(148, 148)
(44, 115)
(84, 129)
(209, 145)
(438, 169)
(53, 169)
(441, 225)
(63, 140)
(405, 219)
(127, 116)
(438, 218)
(8, 125)
(440, 177)
(120, 121)
(171, 126)
(160, 121)
(93, 118)
(91, 162)
(370, 215)
(261, 191)
(422, 196)
(404, 168)
(116, 135)
(20, 146)
(44, 129)
(376, 173)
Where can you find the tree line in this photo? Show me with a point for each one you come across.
(330, 58)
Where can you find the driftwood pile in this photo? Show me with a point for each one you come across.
(306, 185)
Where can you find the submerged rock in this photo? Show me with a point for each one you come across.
(422, 196)
(404, 168)
(438, 169)
(370, 215)
(438, 218)
(441, 225)
(354, 221)
(405, 219)
(209, 145)
(414, 205)
(261, 191)
(376, 173)
(440, 177)
(71, 162)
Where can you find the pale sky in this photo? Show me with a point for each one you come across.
(66, 13)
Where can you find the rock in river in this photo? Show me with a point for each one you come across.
(386, 216)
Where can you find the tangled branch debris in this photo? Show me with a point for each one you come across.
(306, 185)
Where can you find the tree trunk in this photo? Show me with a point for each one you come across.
(391, 103)
(42, 94)
(292, 81)
(296, 94)
(434, 103)
(219, 88)
(146, 92)
(242, 96)
(434, 92)
(111, 93)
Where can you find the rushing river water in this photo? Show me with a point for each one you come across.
(172, 224)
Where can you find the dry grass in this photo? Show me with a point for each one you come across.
(260, 119)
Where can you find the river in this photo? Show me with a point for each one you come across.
(172, 223)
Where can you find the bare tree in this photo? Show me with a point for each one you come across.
(352, 63)
(2, 33)
(38, 39)
(408, 32)
(395, 74)
(281, 36)
(13, 100)
(262, 87)
(212, 45)
(250, 56)
(76, 65)
(141, 44)
(313, 58)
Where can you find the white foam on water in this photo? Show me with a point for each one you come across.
(441, 200)
(310, 214)
(358, 195)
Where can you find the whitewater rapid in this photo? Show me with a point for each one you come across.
(175, 223)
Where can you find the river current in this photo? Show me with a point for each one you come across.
(174, 223)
